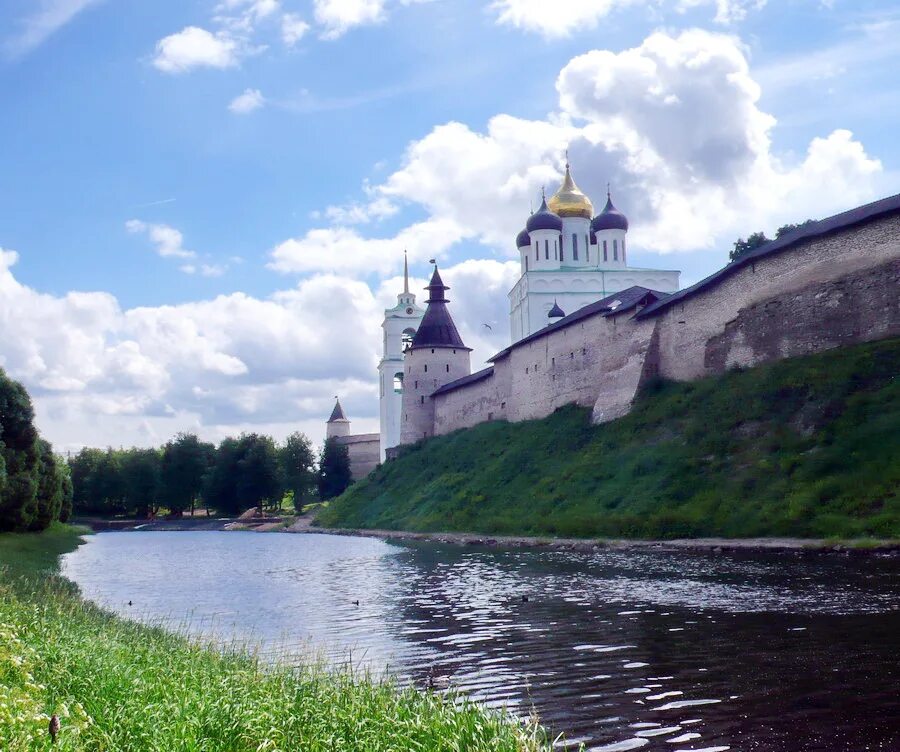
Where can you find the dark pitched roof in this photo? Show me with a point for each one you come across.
(437, 328)
(609, 306)
(338, 412)
(466, 380)
(819, 229)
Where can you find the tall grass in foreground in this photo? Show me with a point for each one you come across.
(121, 686)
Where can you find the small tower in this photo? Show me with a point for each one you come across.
(610, 228)
(543, 228)
(399, 325)
(437, 356)
(575, 210)
(338, 425)
(555, 314)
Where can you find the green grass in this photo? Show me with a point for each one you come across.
(807, 447)
(119, 686)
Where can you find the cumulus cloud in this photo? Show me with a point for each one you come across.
(250, 100)
(193, 47)
(101, 373)
(673, 124)
(293, 29)
(167, 240)
(338, 16)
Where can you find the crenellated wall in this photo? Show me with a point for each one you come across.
(840, 287)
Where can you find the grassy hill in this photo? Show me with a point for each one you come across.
(807, 447)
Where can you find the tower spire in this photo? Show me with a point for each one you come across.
(405, 274)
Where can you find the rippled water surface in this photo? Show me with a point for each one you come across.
(618, 650)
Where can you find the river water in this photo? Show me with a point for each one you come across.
(619, 650)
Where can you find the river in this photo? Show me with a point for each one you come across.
(616, 649)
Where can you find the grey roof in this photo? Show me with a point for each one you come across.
(437, 328)
(523, 239)
(358, 438)
(628, 299)
(338, 412)
(556, 312)
(466, 380)
(838, 222)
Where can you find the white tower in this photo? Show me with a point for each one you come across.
(400, 325)
(337, 426)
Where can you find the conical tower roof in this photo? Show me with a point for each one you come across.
(569, 200)
(437, 328)
(338, 413)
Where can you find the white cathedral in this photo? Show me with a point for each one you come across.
(569, 259)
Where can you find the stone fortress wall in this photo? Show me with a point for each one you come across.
(832, 284)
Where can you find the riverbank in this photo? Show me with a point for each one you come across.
(121, 685)
(805, 448)
(858, 546)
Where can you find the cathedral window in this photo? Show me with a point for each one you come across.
(605, 252)
(537, 253)
(574, 247)
(615, 250)
(623, 251)
(547, 250)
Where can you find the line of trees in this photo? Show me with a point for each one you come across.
(35, 487)
(187, 473)
(757, 239)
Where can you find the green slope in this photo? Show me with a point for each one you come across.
(807, 447)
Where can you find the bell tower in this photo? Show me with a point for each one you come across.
(400, 325)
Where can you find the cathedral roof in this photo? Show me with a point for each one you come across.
(437, 328)
(556, 312)
(523, 239)
(570, 201)
(610, 218)
(543, 219)
(338, 412)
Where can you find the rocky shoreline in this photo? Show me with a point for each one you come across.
(305, 525)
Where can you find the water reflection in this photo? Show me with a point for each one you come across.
(618, 650)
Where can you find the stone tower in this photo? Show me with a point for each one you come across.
(400, 325)
(436, 357)
(338, 425)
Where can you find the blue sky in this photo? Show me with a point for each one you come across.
(172, 170)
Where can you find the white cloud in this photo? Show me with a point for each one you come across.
(168, 241)
(293, 29)
(204, 270)
(43, 22)
(355, 214)
(193, 47)
(250, 100)
(674, 124)
(549, 20)
(339, 16)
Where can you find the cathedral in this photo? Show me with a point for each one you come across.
(569, 259)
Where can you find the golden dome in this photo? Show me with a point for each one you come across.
(569, 201)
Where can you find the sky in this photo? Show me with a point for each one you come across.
(205, 203)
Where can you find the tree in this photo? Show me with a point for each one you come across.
(84, 472)
(185, 462)
(108, 483)
(142, 474)
(49, 495)
(334, 469)
(245, 474)
(21, 457)
(297, 463)
(758, 239)
(258, 473)
(743, 247)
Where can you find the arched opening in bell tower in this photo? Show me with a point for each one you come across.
(398, 382)
(406, 339)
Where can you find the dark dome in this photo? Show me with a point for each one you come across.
(544, 219)
(523, 239)
(556, 312)
(610, 218)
